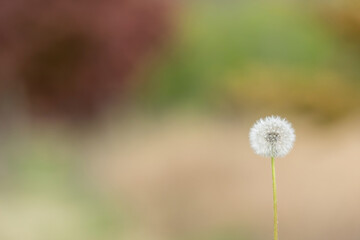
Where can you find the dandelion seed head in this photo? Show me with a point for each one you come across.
(272, 137)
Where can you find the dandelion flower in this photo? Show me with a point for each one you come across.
(272, 137)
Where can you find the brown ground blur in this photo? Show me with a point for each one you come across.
(193, 175)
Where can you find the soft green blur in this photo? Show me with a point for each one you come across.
(277, 55)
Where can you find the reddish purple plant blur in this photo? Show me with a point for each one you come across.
(71, 58)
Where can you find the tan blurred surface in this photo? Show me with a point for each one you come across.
(188, 175)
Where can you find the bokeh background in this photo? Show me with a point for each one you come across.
(129, 119)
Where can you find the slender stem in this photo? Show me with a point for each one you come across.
(275, 199)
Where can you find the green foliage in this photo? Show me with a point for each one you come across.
(215, 39)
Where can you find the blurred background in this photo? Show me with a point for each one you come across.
(129, 119)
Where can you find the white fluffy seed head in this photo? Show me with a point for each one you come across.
(272, 137)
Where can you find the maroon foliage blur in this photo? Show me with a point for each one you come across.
(73, 57)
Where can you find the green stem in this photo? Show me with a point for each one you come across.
(275, 199)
